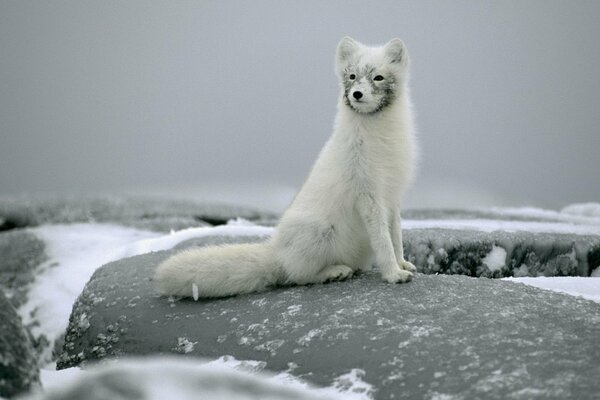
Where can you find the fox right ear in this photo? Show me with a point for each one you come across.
(346, 50)
(396, 53)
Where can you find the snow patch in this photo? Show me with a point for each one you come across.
(495, 259)
(184, 345)
(223, 378)
(493, 225)
(583, 210)
(195, 292)
(51, 379)
(74, 253)
(586, 287)
(306, 339)
(294, 309)
(173, 239)
(352, 383)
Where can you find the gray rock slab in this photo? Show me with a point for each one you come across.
(439, 335)
(20, 254)
(151, 213)
(19, 371)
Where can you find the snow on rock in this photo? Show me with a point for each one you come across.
(495, 259)
(588, 288)
(583, 209)
(486, 243)
(439, 336)
(184, 345)
(72, 252)
(19, 371)
(159, 378)
(48, 266)
(174, 238)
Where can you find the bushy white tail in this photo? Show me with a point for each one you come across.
(219, 271)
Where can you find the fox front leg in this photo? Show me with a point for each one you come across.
(376, 222)
(396, 233)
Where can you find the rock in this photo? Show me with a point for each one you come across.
(500, 254)
(140, 212)
(19, 371)
(502, 242)
(157, 378)
(20, 255)
(436, 337)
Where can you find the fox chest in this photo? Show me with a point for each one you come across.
(375, 166)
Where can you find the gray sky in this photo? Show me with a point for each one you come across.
(185, 96)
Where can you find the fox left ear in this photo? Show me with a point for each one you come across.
(396, 53)
(346, 49)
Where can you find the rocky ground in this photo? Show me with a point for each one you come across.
(446, 335)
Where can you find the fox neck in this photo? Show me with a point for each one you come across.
(391, 119)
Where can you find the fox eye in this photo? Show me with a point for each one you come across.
(378, 78)
(352, 77)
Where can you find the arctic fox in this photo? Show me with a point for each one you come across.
(347, 214)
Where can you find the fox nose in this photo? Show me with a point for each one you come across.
(357, 95)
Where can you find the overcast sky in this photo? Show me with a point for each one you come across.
(178, 96)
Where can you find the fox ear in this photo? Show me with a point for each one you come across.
(346, 50)
(395, 52)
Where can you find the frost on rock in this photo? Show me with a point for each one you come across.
(448, 336)
(184, 345)
(353, 383)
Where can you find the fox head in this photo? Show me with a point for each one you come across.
(371, 77)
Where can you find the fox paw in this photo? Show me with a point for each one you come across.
(407, 266)
(398, 276)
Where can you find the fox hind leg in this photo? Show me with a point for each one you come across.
(334, 273)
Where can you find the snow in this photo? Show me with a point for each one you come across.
(225, 377)
(583, 209)
(174, 238)
(195, 292)
(492, 225)
(52, 379)
(496, 258)
(184, 345)
(586, 287)
(74, 253)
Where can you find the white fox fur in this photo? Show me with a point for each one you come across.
(347, 214)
